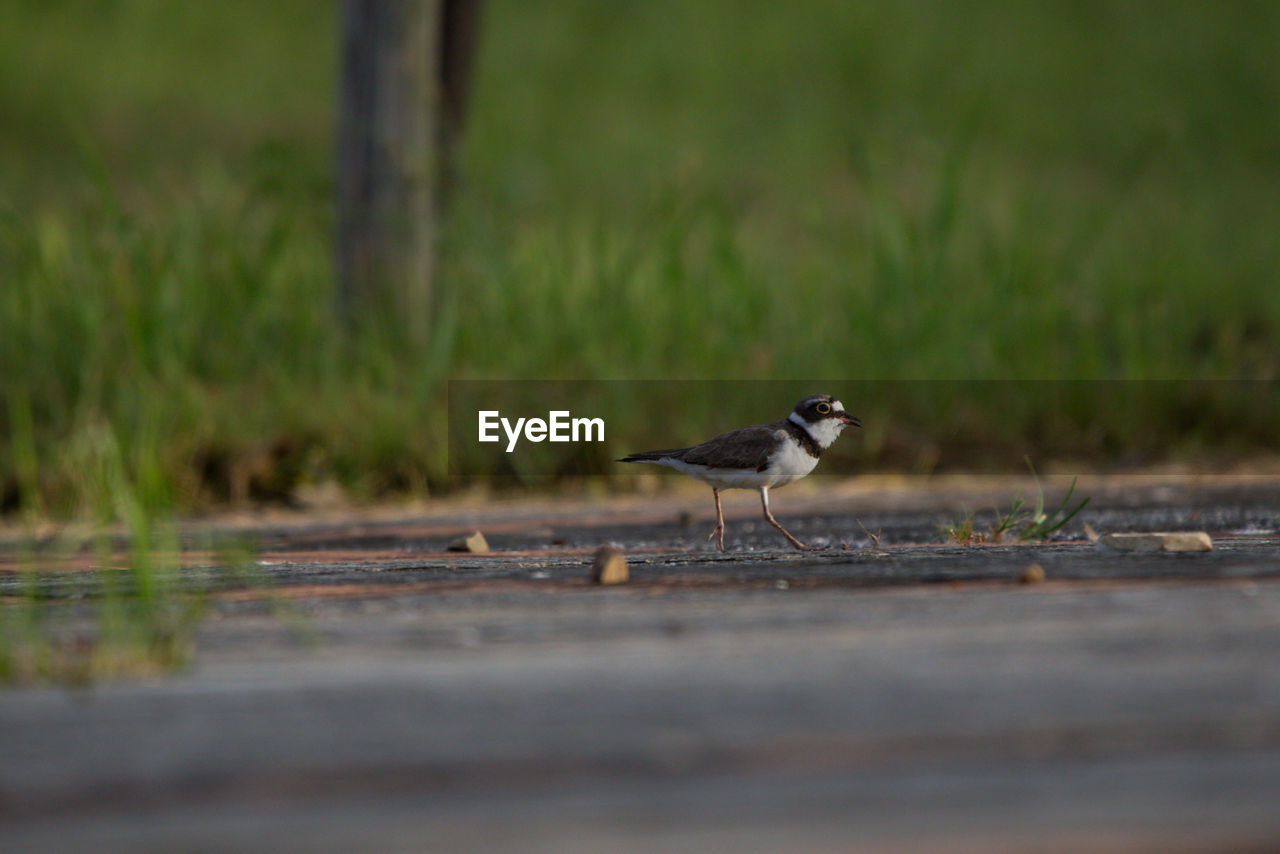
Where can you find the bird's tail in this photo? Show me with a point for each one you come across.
(653, 456)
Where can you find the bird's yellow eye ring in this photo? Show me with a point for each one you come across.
(823, 408)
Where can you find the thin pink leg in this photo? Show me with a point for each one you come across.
(718, 533)
(764, 501)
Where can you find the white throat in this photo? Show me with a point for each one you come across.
(823, 432)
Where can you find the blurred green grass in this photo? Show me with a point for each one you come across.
(691, 190)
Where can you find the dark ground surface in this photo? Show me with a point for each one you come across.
(901, 696)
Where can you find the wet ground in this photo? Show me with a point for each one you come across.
(892, 692)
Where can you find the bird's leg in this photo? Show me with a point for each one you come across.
(718, 533)
(764, 501)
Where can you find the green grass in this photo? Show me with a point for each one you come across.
(122, 596)
(1018, 523)
(108, 611)
(830, 190)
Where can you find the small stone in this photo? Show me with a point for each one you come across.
(609, 566)
(1033, 574)
(1176, 541)
(475, 543)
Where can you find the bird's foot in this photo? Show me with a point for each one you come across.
(717, 534)
(799, 546)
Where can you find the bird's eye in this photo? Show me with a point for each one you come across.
(823, 408)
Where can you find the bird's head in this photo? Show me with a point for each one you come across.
(823, 417)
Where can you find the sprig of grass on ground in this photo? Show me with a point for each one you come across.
(1017, 523)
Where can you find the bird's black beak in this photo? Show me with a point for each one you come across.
(849, 419)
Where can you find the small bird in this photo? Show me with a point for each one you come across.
(760, 456)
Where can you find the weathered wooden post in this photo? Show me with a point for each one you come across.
(459, 30)
(406, 67)
(388, 161)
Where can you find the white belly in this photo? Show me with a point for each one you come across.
(791, 464)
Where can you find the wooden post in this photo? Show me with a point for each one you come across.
(460, 30)
(389, 161)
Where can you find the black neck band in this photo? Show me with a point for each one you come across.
(806, 441)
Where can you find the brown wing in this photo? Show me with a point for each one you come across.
(745, 448)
